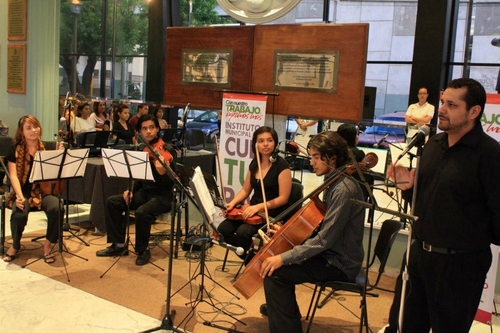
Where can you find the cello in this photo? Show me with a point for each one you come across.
(295, 231)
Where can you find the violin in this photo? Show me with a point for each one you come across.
(158, 149)
(52, 187)
(237, 214)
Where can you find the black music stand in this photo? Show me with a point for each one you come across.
(205, 201)
(58, 165)
(133, 165)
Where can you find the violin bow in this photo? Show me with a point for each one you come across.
(264, 200)
(223, 194)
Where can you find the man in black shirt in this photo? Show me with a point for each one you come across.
(148, 198)
(458, 209)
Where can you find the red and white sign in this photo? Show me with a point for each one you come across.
(242, 114)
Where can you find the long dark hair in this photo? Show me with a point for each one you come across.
(264, 129)
(119, 108)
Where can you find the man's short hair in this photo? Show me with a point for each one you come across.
(475, 94)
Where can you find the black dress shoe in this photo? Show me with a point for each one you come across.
(143, 257)
(112, 251)
(263, 309)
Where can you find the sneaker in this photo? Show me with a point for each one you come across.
(143, 257)
(113, 251)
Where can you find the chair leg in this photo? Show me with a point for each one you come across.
(239, 270)
(326, 299)
(223, 269)
(311, 303)
(314, 309)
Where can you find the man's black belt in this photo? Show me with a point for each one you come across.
(441, 250)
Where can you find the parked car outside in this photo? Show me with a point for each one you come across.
(207, 122)
(191, 114)
(391, 124)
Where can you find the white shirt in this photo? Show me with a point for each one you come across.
(420, 111)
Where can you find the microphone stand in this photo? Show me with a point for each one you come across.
(409, 242)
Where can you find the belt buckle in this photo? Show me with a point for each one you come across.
(427, 247)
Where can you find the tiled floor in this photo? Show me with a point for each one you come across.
(34, 303)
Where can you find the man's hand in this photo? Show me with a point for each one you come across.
(270, 265)
(127, 196)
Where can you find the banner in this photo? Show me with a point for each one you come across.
(242, 114)
(485, 308)
(491, 126)
(491, 116)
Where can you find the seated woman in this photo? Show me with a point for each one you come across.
(82, 123)
(121, 115)
(28, 196)
(99, 115)
(277, 180)
(158, 113)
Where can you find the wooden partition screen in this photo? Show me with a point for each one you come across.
(318, 70)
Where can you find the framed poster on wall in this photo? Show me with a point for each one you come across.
(16, 68)
(17, 20)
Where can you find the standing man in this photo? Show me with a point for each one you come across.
(458, 209)
(149, 199)
(419, 114)
(335, 252)
(307, 128)
(142, 109)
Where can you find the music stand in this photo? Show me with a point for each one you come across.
(130, 164)
(205, 202)
(57, 165)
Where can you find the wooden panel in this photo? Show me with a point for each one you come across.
(237, 39)
(351, 40)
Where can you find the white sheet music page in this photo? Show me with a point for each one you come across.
(115, 164)
(46, 165)
(201, 190)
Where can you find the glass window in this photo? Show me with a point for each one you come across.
(83, 29)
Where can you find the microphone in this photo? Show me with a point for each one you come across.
(274, 157)
(417, 139)
(62, 124)
(376, 145)
(238, 250)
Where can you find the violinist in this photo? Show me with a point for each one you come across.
(148, 199)
(277, 183)
(27, 196)
(333, 252)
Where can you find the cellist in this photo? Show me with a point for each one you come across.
(334, 252)
(277, 183)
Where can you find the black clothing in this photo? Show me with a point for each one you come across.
(149, 200)
(239, 233)
(125, 134)
(457, 202)
(50, 205)
(459, 211)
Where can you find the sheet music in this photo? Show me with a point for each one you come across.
(115, 164)
(203, 196)
(47, 163)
